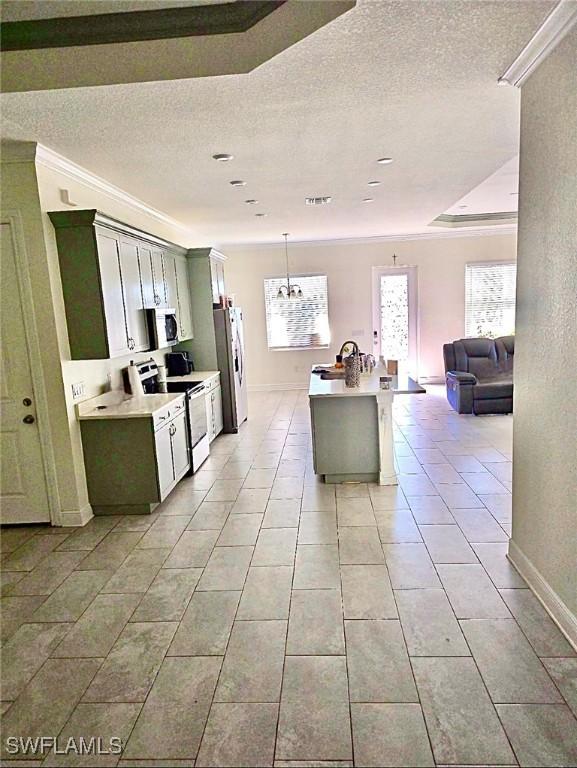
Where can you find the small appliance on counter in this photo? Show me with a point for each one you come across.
(179, 364)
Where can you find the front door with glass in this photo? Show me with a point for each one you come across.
(395, 316)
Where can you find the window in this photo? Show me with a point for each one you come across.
(490, 299)
(297, 323)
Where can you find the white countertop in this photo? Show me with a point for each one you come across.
(118, 405)
(369, 386)
(195, 376)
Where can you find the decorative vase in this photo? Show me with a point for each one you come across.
(353, 368)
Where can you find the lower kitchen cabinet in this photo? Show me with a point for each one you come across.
(132, 464)
(213, 399)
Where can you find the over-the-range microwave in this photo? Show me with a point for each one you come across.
(162, 327)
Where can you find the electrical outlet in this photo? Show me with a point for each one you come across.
(77, 390)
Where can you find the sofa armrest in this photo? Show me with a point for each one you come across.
(462, 377)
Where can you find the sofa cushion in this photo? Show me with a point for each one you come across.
(497, 388)
(476, 356)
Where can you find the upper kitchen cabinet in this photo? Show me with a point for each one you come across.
(135, 317)
(111, 273)
(206, 274)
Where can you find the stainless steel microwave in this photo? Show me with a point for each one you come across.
(162, 327)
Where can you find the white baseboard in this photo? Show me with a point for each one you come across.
(555, 607)
(76, 517)
(275, 387)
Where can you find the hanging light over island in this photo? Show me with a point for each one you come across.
(290, 290)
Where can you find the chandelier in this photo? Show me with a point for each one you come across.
(290, 290)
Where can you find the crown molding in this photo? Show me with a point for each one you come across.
(507, 229)
(51, 159)
(557, 24)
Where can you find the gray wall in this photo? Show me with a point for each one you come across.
(544, 538)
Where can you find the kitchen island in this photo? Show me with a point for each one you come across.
(352, 428)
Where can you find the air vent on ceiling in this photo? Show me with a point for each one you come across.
(317, 200)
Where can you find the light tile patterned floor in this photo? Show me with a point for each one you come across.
(261, 618)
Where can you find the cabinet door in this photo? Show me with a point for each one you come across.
(209, 419)
(158, 278)
(170, 283)
(184, 298)
(146, 274)
(112, 296)
(217, 410)
(220, 273)
(164, 462)
(214, 281)
(180, 451)
(135, 317)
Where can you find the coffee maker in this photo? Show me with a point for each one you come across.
(179, 364)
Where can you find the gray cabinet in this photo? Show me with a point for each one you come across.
(206, 274)
(110, 274)
(132, 464)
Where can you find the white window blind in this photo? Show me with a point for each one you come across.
(490, 299)
(297, 323)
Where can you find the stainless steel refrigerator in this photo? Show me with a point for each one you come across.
(231, 363)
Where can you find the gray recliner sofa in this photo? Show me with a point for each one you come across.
(479, 374)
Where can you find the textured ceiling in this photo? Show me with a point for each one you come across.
(412, 80)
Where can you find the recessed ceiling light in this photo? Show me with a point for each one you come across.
(374, 183)
(260, 215)
(385, 160)
(251, 202)
(222, 157)
(238, 183)
(368, 199)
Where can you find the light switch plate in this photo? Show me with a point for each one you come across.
(77, 390)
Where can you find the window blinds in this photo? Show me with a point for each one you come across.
(297, 323)
(490, 299)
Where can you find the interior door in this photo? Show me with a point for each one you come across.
(135, 317)
(395, 330)
(23, 494)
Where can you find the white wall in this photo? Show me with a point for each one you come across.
(441, 287)
(544, 542)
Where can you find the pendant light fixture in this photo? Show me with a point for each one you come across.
(290, 290)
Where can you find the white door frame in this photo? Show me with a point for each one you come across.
(13, 219)
(411, 272)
